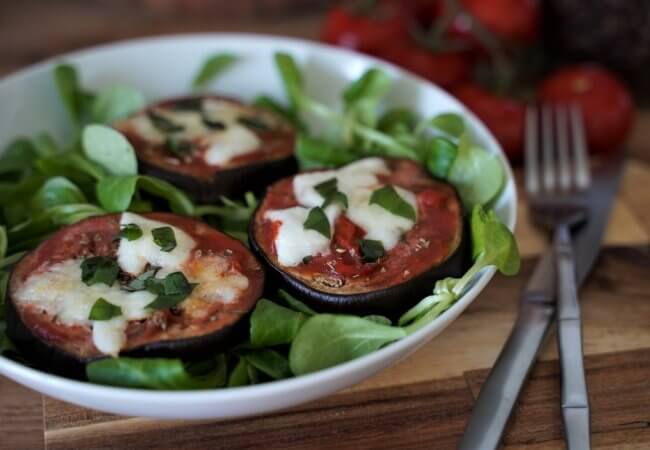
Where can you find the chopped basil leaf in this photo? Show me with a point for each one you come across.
(131, 232)
(164, 238)
(213, 124)
(329, 191)
(327, 187)
(139, 282)
(188, 104)
(317, 221)
(254, 123)
(163, 124)
(99, 269)
(337, 197)
(307, 259)
(371, 250)
(388, 198)
(102, 310)
(178, 146)
(170, 291)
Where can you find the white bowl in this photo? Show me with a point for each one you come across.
(163, 67)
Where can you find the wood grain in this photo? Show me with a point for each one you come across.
(372, 419)
(428, 397)
(21, 417)
(423, 415)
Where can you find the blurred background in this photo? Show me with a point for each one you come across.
(494, 55)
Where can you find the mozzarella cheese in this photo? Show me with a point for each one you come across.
(357, 181)
(60, 292)
(221, 145)
(293, 241)
(133, 256)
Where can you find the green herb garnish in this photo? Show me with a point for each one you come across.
(371, 250)
(102, 310)
(164, 238)
(99, 269)
(254, 123)
(329, 191)
(163, 124)
(178, 146)
(213, 124)
(327, 187)
(337, 197)
(388, 198)
(131, 232)
(170, 291)
(188, 104)
(317, 221)
(139, 282)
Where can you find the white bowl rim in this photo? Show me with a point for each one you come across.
(30, 375)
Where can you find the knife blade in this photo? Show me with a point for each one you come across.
(501, 389)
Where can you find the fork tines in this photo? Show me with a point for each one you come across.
(564, 162)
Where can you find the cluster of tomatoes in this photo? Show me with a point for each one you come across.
(448, 41)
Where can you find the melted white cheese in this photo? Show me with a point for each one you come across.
(293, 241)
(357, 181)
(60, 292)
(222, 145)
(235, 141)
(133, 256)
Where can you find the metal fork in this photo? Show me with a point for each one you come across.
(556, 183)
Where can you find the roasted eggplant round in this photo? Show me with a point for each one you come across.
(369, 238)
(210, 145)
(154, 284)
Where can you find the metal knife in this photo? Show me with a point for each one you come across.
(505, 381)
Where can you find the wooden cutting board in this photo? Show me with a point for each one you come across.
(424, 401)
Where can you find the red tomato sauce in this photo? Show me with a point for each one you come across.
(96, 236)
(434, 237)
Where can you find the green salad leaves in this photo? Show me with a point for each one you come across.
(442, 143)
(45, 185)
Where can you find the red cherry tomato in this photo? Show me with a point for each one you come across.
(444, 69)
(607, 107)
(504, 116)
(516, 20)
(367, 34)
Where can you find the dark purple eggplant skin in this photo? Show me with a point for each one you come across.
(390, 302)
(230, 182)
(49, 358)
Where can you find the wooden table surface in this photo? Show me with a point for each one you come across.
(422, 402)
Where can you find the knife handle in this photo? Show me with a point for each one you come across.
(505, 381)
(575, 400)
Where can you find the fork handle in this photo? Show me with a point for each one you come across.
(575, 400)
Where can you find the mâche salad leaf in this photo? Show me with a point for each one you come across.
(116, 102)
(116, 193)
(97, 172)
(74, 98)
(157, 373)
(477, 174)
(110, 149)
(325, 340)
(213, 67)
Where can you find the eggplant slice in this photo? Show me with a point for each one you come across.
(342, 280)
(211, 146)
(48, 303)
